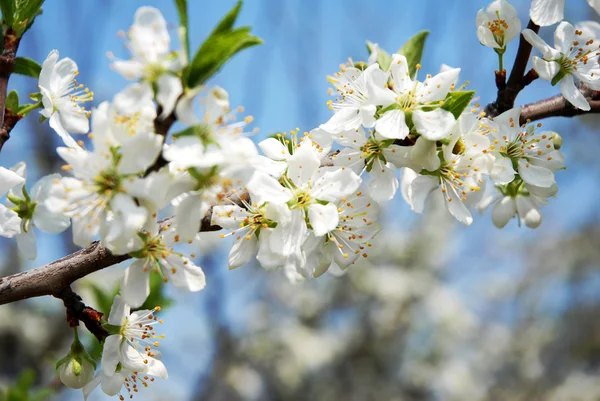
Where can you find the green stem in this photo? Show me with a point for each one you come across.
(500, 62)
(26, 110)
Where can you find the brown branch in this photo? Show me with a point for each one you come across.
(7, 65)
(55, 277)
(556, 106)
(507, 94)
(77, 312)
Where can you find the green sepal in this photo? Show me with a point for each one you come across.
(42, 119)
(413, 51)
(557, 139)
(383, 58)
(28, 67)
(112, 329)
(37, 96)
(222, 44)
(14, 199)
(560, 75)
(457, 102)
(12, 101)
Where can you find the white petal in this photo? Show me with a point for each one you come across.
(545, 69)
(392, 125)
(433, 125)
(140, 152)
(486, 37)
(437, 87)
(27, 244)
(89, 387)
(383, 183)
(535, 175)
(188, 215)
(110, 353)
(10, 223)
(135, 285)
(185, 274)
(595, 4)
(573, 95)
(323, 218)
(564, 37)
(56, 124)
(503, 171)
(111, 385)
(303, 164)
(528, 212)
(62, 76)
(266, 256)
(274, 149)
(242, 251)
(456, 207)
(157, 368)
(228, 216)
(73, 119)
(8, 180)
(547, 12)
(118, 311)
(47, 221)
(333, 185)
(503, 211)
(47, 68)
(131, 359)
(169, 90)
(419, 190)
(424, 154)
(264, 188)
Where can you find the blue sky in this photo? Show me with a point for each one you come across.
(283, 85)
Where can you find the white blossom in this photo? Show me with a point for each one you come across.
(61, 97)
(422, 100)
(33, 211)
(549, 12)
(498, 24)
(574, 56)
(131, 347)
(10, 222)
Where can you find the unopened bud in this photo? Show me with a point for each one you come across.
(557, 141)
(77, 368)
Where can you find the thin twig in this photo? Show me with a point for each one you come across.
(7, 65)
(507, 95)
(556, 106)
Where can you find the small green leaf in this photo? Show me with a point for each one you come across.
(413, 51)
(12, 101)
(8, 11)
(183, 22)
(216, 51)
(226, 24)
(457, 102)
(26, 66)
(383, 58)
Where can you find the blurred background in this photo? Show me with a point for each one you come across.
(437, 312)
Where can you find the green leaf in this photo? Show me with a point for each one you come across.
(383, 58)
(12, 101)
(216, 51)
(183, 23)
(8, 11)
(226, 24)
(413, 51)
(28, 67)
(457, 102)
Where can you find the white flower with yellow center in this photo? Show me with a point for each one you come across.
(523, 150)
(574, 56)
(498, 24)
(360, 93)
(96, 198)
(10, 222)
(421, 101)
(131, 346)
(158, 256)
(62, 96)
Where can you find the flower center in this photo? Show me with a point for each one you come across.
(108, 182)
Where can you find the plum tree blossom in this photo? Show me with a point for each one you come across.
(574, 56)
(498, 24)
(33, 212)
(156, 169)
(61, 96)
(130, 347)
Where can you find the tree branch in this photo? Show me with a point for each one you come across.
(55, 277)
(7, 65)
(507, 94)
(556, 106)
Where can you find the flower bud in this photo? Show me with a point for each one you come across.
(557, 141)
(75, 371)
(77, 368)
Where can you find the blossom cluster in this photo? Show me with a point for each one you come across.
(310, 202)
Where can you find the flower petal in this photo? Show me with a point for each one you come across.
(535, 175)
(433, 125)
(528, 212)
(323, 218)
(503, 211)
(140, 152)
(135, 285)
(185, 274)
(392, 125)
(545, 69)
(547, 12)
(570, 91)
(110, 353)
